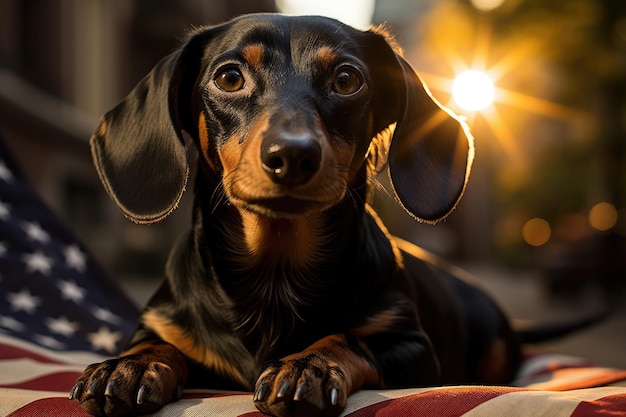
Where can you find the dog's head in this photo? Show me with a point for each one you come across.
(290, 112)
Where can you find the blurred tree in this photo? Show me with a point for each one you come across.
(554, 143)
(583, 43)
(586, 45)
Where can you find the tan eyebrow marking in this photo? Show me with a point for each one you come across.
(326, 56)
(253, 54)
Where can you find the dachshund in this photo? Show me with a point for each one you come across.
(287, 283)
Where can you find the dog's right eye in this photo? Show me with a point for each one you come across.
(230, 80)
(347, 81)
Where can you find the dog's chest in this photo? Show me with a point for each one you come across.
(274, 306)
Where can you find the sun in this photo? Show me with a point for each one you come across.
(473, 90)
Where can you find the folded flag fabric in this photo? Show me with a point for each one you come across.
(35, 381)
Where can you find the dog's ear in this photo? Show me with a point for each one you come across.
(431, 153)
(431, 150)
(138, 148)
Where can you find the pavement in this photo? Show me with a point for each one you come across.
(523, 297)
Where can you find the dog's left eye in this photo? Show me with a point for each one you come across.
(347, 81)
(230, 80)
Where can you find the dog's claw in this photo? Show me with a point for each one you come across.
(108, 391)
(299, 391)
(92, 388)
(141, 394)
(282, 390)
(261, 392)
(334, 394)
(74, 392)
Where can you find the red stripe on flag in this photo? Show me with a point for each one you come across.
(611, 406)
(14, 352)
(58, 381)
(451, 402)
(48, 407)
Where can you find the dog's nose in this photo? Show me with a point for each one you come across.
(291, 159)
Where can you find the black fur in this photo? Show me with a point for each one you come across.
(287, 282)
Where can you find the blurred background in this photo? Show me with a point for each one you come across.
(543, 222)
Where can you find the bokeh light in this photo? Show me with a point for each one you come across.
(603, 216)
(536, 232)
(486, 5)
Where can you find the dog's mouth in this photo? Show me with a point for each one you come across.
(285, 207)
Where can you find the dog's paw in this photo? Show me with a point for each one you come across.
(129, 385)
(304, 386)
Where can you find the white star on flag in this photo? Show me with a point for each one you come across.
(104, 339)
(5, 173)
(48, 341)
(62, 326)
(37, 261)
(75, 258)
(35, 232)
(11, 323)
(71, 291)
(23, 300)
(105, 315)
(5, 211)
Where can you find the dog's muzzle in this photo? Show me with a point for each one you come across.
(291, 159)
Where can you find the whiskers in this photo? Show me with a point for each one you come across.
(366, 185)
(219, 195)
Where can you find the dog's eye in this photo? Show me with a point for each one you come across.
(230, 80)
(347, 81)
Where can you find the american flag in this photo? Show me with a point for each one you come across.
(59, 313)
(52, 293)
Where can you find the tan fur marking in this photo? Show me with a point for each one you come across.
(230, 156)
(492, 368)
(203, 134)
(326, 56)
(233, 152)
(270, 240)
(253, 54)
(377, 323)
(102, 127)
(174, 335)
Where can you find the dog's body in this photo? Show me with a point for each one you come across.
(287, 283)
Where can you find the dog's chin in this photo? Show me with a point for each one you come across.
(285, 207)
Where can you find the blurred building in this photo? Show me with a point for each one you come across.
(63, 63)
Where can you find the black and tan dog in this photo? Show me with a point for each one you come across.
(287, 282)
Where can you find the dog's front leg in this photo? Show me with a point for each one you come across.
(145, 378)
(316, 381)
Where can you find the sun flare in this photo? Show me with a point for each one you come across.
(473, 90)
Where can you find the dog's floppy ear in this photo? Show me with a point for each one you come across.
(431, 150)
(431, 153)
(138, 147)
